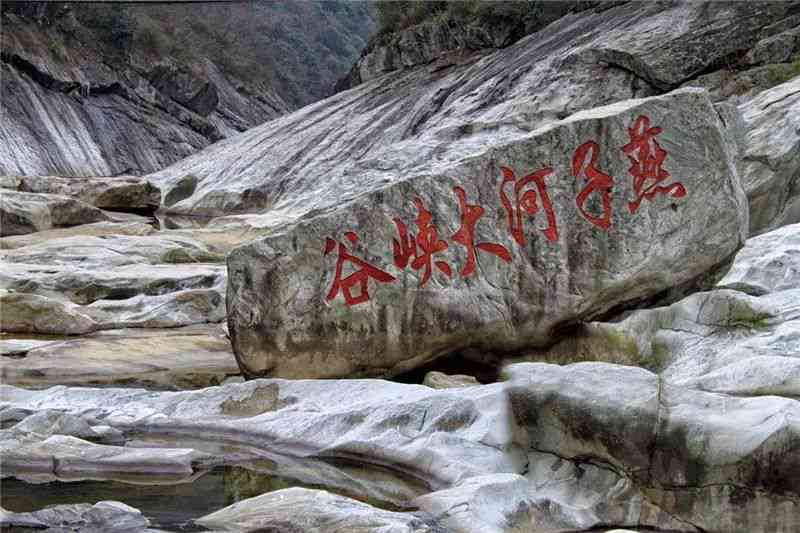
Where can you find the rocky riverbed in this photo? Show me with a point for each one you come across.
(548, 287)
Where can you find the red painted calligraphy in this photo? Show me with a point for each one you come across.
(360, 277)
(646, 157)
(422, 248)
(584, 163)
(465, 235)
(526, 202)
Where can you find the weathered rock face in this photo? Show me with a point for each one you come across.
(24, 212)
(509, 258)
(771, 159)
(117, 193)
(93, 90)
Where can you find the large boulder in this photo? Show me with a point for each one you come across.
(524, 233)
(771, 159)
(23, 212)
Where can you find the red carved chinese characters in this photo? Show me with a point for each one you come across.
(525, 202)
(466, 234)
(363, 272)
(422, 249)
(646, 157)
(584, 163)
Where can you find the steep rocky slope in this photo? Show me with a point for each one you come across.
(99, 90)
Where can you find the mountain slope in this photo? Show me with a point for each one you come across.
(91, 89)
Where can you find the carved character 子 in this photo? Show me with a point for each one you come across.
(584, 163)
(646, 157)
(363, 272)
(465, 235)
(525, 202)
(420, 250)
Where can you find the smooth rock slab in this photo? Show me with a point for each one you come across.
(439, 437)
(101, 517)
(24, 212)
(313, 511)
(188, 357)
(771, 160)
(97, 229)
(532, 269)
(107, 251)
(70, 457)
(768, 263)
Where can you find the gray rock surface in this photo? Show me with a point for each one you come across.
(76, 285)
(70, 457)
(555, 449)
(23, 212)
(101, 517)
(527, 273)
(123, 193)
(581, 61)
(439, 437)
(313, 511)
(768, 263)
(722, 341)
(494, 504)
(771, 160)
(690, 453)
(189, 357)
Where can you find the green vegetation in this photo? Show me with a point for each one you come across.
(526, 15)
(783, 72)
(297, 48)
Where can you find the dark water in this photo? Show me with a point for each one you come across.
(173, 505)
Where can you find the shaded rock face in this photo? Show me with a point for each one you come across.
(509, 258)
(28, 212)
(690, 459)
(93, 90)
(124, 193)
